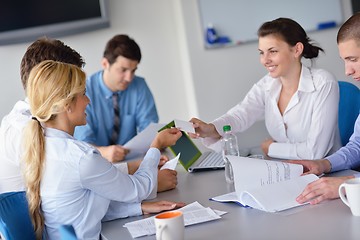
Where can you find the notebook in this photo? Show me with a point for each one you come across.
(191, 158)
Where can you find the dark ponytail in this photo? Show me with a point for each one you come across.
(310, 50)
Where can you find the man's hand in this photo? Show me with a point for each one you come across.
(133, 166)
(163, 160)
(167, 180)
(316, 167)
(113, 153)
(322, 189)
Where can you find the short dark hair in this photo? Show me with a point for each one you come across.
(47, 49)
(292, 33)
(122, 45)
(350, 29)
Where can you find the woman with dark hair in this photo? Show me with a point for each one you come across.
(299, 103)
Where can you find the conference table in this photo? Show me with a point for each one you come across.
(328, 220)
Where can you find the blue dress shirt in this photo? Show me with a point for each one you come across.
(137, 111)
(81, 188)
(348, 156)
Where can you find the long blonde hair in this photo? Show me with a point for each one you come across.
(51, 87)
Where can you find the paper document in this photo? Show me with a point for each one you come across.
(139, 144)
(228, 197)
(269, 186)
(184, 126)
(171, 164)
(193, 213)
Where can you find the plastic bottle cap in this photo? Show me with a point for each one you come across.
(226, 128)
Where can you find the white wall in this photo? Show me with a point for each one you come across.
(223, 76)
(152, 24)
(186, 79)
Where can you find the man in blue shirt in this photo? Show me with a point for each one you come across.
(347, 157)
(135, 103)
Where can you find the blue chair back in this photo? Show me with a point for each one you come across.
(67, 232)
(15, 222)
(349, 106)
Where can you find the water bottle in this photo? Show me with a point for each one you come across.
(229, 147)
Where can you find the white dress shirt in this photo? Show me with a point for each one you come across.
(308, 128)
(11, 129)
(11, 133)
(81, 188)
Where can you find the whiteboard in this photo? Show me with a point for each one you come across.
(240, 19)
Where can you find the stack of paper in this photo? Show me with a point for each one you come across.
(193, 213)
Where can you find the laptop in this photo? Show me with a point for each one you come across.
(191, 158)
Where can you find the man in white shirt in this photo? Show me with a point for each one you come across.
(12, 124)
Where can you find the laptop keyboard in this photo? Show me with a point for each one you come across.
(213, 159)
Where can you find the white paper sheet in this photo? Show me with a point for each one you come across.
(184, 126)
(139, 144)
(227, 197)
(194, 213)
(171, 164)
(268, 185)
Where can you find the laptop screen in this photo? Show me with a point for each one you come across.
(184, 145)
(189, 152)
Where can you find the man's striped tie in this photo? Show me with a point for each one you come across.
(116, 127)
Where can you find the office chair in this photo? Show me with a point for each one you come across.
(349, 105)
(15, 222)
(67, 232)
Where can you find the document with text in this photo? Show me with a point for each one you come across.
(266, 185)
(194, 213)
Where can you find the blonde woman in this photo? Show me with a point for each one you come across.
(68, 181)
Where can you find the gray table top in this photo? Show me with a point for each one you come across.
(328, 220)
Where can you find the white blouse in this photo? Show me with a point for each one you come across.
(308, 128)
(11, 135)
(81, 188)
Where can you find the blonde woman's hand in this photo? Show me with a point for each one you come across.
(166, 137)
(155, 207)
